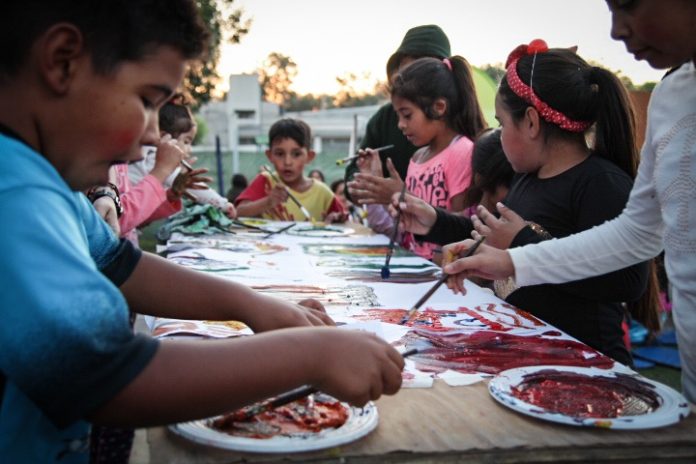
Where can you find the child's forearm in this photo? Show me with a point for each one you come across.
(253, 208)
(194, 379)
(160, 288)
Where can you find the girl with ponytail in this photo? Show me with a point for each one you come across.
(567, 129)
(436, 104)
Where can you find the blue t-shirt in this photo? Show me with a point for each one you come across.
(67, 347)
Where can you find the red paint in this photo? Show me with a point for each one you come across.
(583, 396)
(429, 319)
(495, 319)
(492, 352)
(298, 417)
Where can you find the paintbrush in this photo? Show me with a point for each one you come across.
(392, 241)
(290, 195)
(186, 164)
(273, 232)
(249, 226)
(288, 397)
(412, 312)
(342, 161)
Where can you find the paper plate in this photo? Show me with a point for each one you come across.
(672, 406)
(360, 422)
(320, 231)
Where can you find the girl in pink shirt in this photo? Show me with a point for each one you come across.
(436, 103)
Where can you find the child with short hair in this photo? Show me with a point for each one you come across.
(68, 355)
(492, 172)
(267, 196)
(661, 211)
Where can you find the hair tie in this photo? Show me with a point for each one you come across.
(448, 63)
(526, 92)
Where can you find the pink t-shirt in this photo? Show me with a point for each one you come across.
(144, 202)
(436, 181)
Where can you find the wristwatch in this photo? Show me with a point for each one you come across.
(110, 190)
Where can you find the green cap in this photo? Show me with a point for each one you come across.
(418, 42)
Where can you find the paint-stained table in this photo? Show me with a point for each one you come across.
(461, 424)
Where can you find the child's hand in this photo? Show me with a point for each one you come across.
(355, 366)
(188, 180)
(230, 211)
(417, 216)
(106, 208)
(336, 217)
(274, 313)
(369, 162)
(276, 196)
(371, 189)
(488, 262)
(169, 155)
(499, 232)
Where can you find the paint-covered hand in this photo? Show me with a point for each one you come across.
(368, 188)
(355, 366)
(488, 262)
(417, 216)
(499, 232)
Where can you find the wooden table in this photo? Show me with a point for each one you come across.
(461, 424)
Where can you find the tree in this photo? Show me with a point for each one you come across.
(348, 94)
(494, 71)
(276, 76)
(225, 23)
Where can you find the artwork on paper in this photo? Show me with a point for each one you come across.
(328, 295)
(351, 250)
(201, 263)
(490, 316)
(235, 245)
(369, 269)
(163, 327)
(492, 352)
(320, 230)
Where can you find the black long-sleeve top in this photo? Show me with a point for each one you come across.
(584, 196)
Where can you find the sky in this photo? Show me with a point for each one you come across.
(329, 38)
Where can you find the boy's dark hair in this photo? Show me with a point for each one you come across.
(489, 165)
(288, 128)
(239, 180)
(428, 79)
(567, 83)
(113, 30)
(336, 183)
(175, 119)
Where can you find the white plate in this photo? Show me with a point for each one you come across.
(673, 406)
(360, 422)
(320, 231)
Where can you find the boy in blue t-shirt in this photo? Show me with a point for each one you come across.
(80, 88)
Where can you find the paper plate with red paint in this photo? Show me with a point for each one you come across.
(589, 397)
(359, 423)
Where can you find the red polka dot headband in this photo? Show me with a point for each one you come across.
(526, 92)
